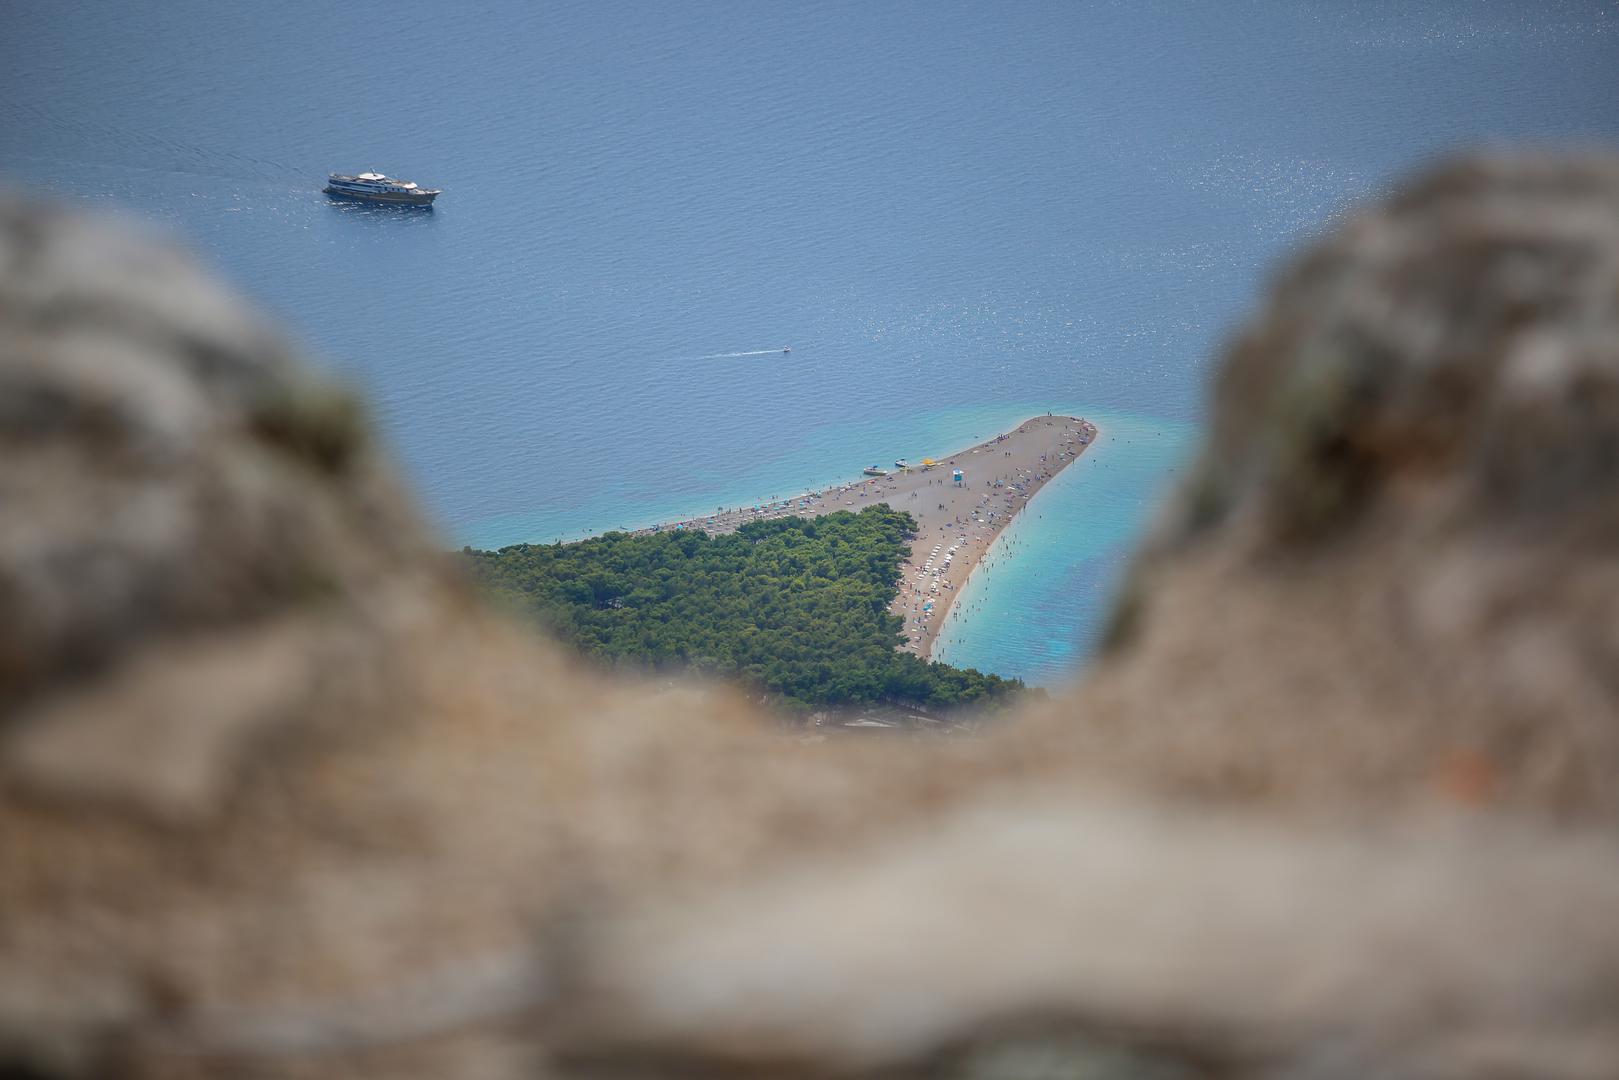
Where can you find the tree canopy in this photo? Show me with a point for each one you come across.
(796, 607)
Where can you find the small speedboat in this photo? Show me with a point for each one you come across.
(902, 464)
(786, 348)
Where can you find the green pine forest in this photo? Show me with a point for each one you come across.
(796, 608)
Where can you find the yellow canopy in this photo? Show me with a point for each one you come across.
(929, 461)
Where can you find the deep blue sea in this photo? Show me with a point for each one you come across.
(956, 214)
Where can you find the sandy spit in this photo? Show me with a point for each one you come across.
(956, 522)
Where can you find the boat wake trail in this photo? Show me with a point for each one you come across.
(750, 352)
(723, 355)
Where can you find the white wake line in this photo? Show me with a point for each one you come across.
(724, 355)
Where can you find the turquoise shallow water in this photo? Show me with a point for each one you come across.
(1033, 608)
(956, 214)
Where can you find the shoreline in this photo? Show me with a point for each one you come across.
(962, 520)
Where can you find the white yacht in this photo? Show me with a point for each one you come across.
(375, 187)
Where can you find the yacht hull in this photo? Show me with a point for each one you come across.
(400, 198)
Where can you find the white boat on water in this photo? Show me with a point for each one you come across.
(375, 187)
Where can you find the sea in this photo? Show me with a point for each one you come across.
(956, 215)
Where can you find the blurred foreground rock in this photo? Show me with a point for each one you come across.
(278, 798)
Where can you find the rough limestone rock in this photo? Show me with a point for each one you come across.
(279, 798)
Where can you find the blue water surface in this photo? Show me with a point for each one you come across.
(955, 213)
